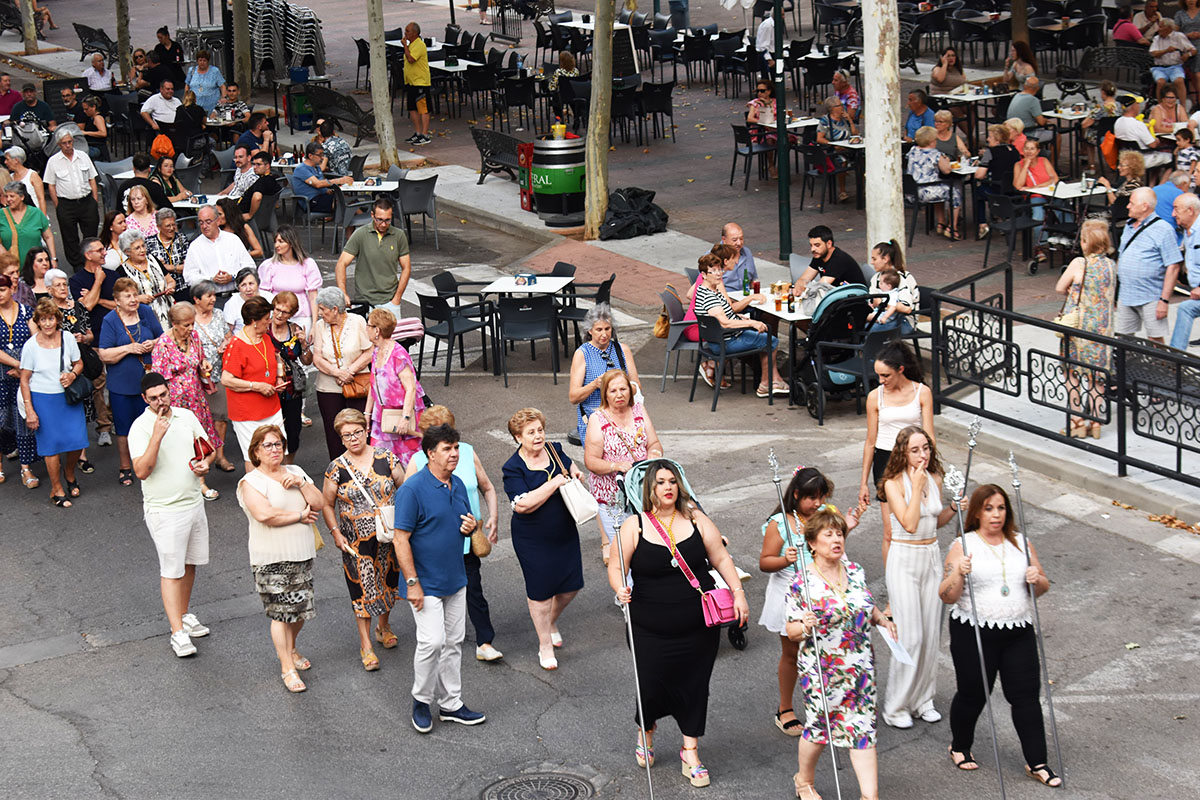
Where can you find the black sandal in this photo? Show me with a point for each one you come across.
(61, 501)
(789, 726)
(125, 477)
(967, 759)
(73, 488)
(1033, 772)
(86, 467)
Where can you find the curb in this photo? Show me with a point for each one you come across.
(497, 221)
(30, 66)
(1103, 484)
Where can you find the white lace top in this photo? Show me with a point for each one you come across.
(989, 576)
(931, 507)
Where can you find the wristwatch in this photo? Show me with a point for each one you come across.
(412, 582)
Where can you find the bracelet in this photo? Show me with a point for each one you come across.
(740, 589)
(1163, 300)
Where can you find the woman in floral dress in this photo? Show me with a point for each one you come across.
(393, 386)
(14, 332)
(372, 573)
(928, 167)
(838, 591)
(178, 356)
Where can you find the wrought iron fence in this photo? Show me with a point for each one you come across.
(1150, 392)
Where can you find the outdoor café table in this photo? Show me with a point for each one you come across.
(123, 176)
(289, 89)
(972, 100)
(1075, 128)
(545, 284)
(859, 149)
(361, 186)
(590, 25)
(791, 318)
(963, 172)
(1071, 190)
(291, 163)
(1057, 27)
(461, 66)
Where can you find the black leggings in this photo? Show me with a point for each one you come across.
(1012, 652)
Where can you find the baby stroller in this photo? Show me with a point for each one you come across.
(839, 351)
(631, 490)
(1060, 230)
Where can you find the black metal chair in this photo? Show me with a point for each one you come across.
(1009, 215)
(820, 166)
(656, 102)
(364, 60)
(677, 341)
(570, 311)
(663, 52)
(728, 63)
(912, 198)
(712, 348)
(450, 324)
(527, 319)
(745, 147)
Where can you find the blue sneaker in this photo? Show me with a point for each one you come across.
(463, 716)
(422, 717)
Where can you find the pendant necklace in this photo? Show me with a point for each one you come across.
(1004, 590)
(670, 535)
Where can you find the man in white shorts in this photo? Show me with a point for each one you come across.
(161, 442)
(1147, 264)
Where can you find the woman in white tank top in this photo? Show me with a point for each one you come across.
(900, 400)
(912, 483)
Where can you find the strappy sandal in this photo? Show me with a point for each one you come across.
(386, 638)
(984, 230)
(61, 500)
(804, 791)
(225, 466)
(643, 752)
(370, 661)
(941, 229)
(697, 775)
(1034, 772)
(210, 494)
(300, 662)
(125, 477)
(792, 727)
(85, 466)
(73, 488)
(291, 679)
(29, 479)
(967, 763)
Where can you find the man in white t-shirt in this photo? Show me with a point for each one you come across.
(159, 109)
(161, 442)
(1129, 128)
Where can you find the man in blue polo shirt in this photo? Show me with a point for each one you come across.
(1187, 214)
(433, 514)
(919, 116)
(1148, 263)
(257, 135)
(733, 236)
(309, 182)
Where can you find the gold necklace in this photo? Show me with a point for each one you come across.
(1004, 590)
(841, 593)
(670, 535)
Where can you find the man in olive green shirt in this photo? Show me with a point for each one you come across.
(377, 250)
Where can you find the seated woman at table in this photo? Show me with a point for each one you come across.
(947, 74)
(949, 141)
(1109, 107)
(764, 98)
(1034, 171)
(1131, 174)
(164, 176)
(1168, 112)
(927, 166)
(1020, 64)
(1016, 132)
(888, 257)
(836, 126)
(566, 69)
(1186, 152)
(190, 118)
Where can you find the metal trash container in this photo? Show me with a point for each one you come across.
(558, 181)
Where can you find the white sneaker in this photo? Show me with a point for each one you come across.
(931, 714)
(902, 721)
(192, 626)
(104, 439)
(485, 652)
(182, 645)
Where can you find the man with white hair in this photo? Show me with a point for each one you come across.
(1187, 211)
(99, 77)
(1176, 184)
(846, 92)
(1147, 265)
(733, 235)
(215, 255)
(1170, 49)
(71, 182)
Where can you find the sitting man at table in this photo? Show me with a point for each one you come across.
(920, 115)
(258, 135)
(309, 182)
(215, 255)
(159, 109)
(141, 177)
(1125, 31)
(264, 189)
(337, 149)
(99, 78)
(232, 104)
(243, 172)
(1148, 19)
(382, 262)
(31, 109)
(72, 108)
(9, 96)
(830, 264)
(845, 91)
(1187, 213)
(1129, 128)
(1170, 49)
(733, 235)
(155, 73)
(1026, 107)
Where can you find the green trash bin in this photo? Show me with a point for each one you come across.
(558, 181)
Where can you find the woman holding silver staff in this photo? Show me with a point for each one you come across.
(840, 640)
(912, 483)
(996, 565)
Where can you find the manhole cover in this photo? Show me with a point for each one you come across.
(539, 787)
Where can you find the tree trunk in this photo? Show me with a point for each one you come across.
(124, 51)
(29, 27)
(881, 112)
(599, 114)
(1020, 21)
(385, 127)
(242, 68)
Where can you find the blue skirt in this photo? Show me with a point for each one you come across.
(62, 427)
(125, 409)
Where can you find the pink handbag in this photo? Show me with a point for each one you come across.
(717, 604)
(409, 328)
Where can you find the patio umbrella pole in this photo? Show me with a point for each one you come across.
(1037, 621)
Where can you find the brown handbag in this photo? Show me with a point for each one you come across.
(481, 546)
(360, 385)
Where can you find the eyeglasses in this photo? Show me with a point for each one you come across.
(382, 220)
(354, 436)
(271, 445)
(206, 222)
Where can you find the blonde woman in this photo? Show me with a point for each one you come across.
(139, 212)
(927, 167)
(949, 141)
(1131, 174)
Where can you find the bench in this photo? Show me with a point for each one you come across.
(1124, 66)
(497, 152)
(94, 40)
(11, 20)
(334, 105)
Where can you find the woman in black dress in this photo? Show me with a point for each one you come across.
(544, 534)
(675, 649)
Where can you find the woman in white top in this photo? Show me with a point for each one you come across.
(912, 483)
(900, 400)
(888, 255)
(281, 504)
(14, 162)
(996, 564)
(247, 284)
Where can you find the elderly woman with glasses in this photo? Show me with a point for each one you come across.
(836, 126)
(169, 249)
(599, 353)
(76, 322)
(214, 338)
(342, 354)
(23, 224)
(292, 345)
(155, 287)
(248, 286)
(281, 504)
(357, 483)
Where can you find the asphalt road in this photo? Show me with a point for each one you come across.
(94, 704)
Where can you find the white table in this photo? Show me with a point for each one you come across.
(123, 176)
(289, 164)
(209, 200)
(802, 122)
(1068, 190)
(816, 54)
(461, 66)
(768, 307)
(1070, 116)
(546, 284)
(591, 26)
(966, 170)
(849, 145)
(382, 186)
(971, 97)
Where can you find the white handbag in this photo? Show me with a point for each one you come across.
(384, 532)
(580, 502)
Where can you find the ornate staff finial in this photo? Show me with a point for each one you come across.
(1012, 465)
(973, 431)
(774, 462)
(955, 482)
